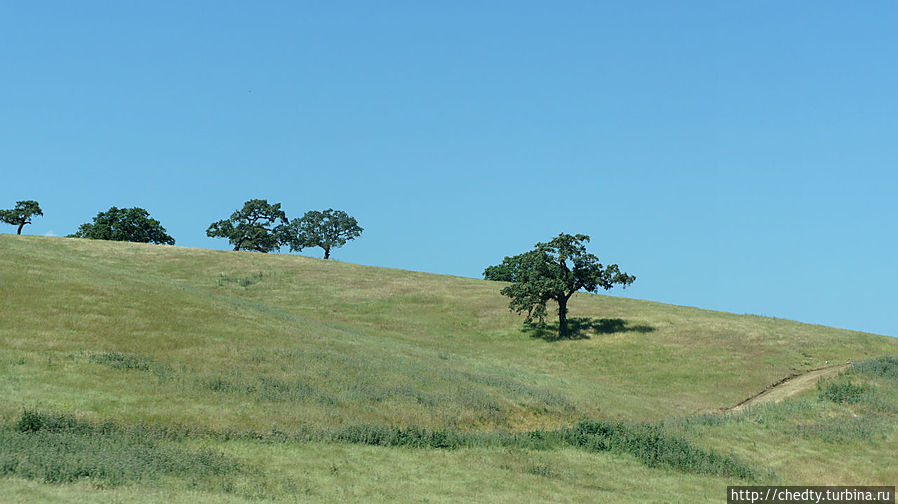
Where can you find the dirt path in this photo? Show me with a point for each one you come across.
(789, 386)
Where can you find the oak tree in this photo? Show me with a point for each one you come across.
(554, 271)
(21, 214)
(125, 224)
(258, 226)
(327, 229)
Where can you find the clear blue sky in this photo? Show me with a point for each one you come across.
(737, 156)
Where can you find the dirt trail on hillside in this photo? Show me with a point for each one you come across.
(789, 386)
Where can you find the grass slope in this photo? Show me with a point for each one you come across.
(242, 342)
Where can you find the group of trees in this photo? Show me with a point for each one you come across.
(552, 271)
(118, 224)
(263, 227)
(258, 226)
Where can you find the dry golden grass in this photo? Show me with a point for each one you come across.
(238, 340)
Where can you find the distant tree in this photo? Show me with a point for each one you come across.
(125, 224)
(258, 226)
(328, 229)
(21, 214)
(554, 271)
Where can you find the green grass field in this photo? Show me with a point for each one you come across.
(142, 373)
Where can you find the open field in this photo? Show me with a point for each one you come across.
(276, 377)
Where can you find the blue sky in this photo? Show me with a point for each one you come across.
(737, 156)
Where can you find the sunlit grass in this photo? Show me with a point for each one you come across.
(211, 342)
(819, 436)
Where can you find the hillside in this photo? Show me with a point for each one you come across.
(218, 342)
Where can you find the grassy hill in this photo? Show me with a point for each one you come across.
(278, 377)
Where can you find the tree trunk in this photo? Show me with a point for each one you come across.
(20, 228)
(562, 318)
(327, 253)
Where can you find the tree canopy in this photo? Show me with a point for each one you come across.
(258, 226)
(21, 214)
(125, 224)
(554, 271)
(326, 229)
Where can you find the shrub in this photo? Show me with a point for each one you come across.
(885, 367)
(843, 392)
(57, 448)
(130, 362)
(381, 435)
(654, 447)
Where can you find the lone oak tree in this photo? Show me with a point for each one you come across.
(125, 224)
(258, 226)
(21, 214)
(554, 271)
(327, 229)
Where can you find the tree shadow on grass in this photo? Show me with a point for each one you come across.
(580, 328)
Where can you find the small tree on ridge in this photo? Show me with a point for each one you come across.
(258, 226)
(326, 229)
(21, 214)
